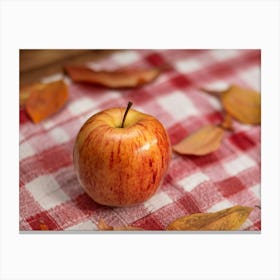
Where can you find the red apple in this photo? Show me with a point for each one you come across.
(121, 156)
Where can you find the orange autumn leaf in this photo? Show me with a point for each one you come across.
(44, 227)
(25, 92)
(46, 100)
(227, 122)
(204, 141)
(112, 79)
(227, 219)
(103, 226)
(242, 104)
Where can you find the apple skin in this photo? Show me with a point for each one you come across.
(121, 166)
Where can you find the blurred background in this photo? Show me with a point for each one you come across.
(36, 64)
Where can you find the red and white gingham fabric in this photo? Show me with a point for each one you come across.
(50, 193)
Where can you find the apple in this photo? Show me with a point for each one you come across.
(121, 156)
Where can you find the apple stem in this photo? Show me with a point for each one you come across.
(126, 111)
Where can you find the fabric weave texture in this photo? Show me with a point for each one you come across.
(50, 194)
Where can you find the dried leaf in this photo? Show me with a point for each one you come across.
(227, 122)
(46, 100)
(227, 219)
(202, 142)
(103, 226)
(25, 92)
(243, 104)
(44, 227)
(129, 228)
(112, 79)
(216, 89)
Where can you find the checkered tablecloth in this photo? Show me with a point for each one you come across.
(50, 193)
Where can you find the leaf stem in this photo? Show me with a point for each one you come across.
(126, 111)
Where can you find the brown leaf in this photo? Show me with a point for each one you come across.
(103, 226)
(243, 104)
(112, 79)
(227, 122)
(227, 219)
(204, 141)
(46, 100)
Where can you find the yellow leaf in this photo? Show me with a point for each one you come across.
(227, 219)
(202, 142)
(243, 104)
